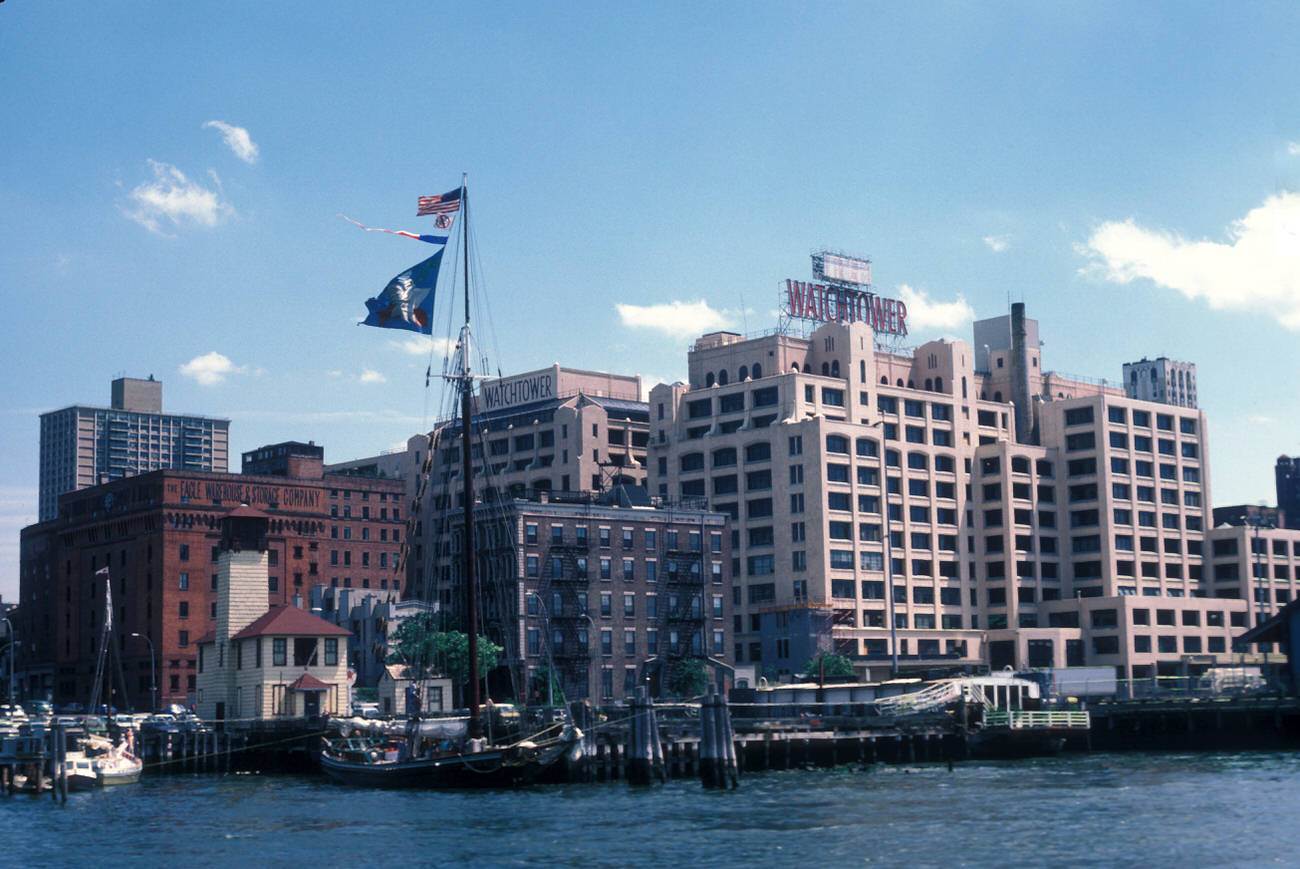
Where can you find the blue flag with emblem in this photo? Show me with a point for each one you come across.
(407, 301)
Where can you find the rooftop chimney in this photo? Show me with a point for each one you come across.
(1020, 375)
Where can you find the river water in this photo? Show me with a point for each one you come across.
(1185, 810)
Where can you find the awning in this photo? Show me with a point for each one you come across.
(308, 682)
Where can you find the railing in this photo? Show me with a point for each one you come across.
(1162, 687)
(934, 697)
(1189, 686)
(1021, 719)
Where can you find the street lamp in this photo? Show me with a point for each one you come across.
(153, 674)
(13, 646)
(1261, 586)
(889, 555)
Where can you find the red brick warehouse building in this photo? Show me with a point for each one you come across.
(158, 535)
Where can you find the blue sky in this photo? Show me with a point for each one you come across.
(639, 173)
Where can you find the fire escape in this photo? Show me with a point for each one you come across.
(681, 616)
(563, 591)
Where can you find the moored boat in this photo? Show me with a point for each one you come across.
(435, 752)
(101, 763)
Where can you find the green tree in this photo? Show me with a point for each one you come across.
(687, 677)
(426, 646)
(542, 692)
(829, 666)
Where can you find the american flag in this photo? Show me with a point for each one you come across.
(447, 203)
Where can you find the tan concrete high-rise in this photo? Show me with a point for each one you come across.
(931, 510)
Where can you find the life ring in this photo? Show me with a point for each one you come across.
(374, 755)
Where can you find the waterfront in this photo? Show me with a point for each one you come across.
(1077, 810)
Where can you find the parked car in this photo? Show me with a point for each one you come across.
(160, 723)
(189, 722)
(13, 714)
(365, 710)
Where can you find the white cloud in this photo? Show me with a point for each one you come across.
(1257, 270)
(997, 243)
(923, 313)
(176, 199)
(237, 139)
(677, 318)
(211, 369)
(422, 345)
(369, 375)
(1293, 148)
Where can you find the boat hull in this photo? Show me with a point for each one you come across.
(994, 743)
(493, 768)
(119, 777)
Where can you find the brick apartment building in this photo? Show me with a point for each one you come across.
(607, 592)
(158, 535)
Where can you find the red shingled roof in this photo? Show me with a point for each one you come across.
(308, 682)
(289, 621)
(243, 511)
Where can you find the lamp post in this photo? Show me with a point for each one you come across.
(889, 555)
(591, 691)
(1261, 586)
(153, 674)
(13, 647)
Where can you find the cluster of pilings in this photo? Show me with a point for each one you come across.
(715, 751)
(35, 762)
(645, 750)
(718, 767)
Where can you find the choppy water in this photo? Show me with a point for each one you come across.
(1089, 810)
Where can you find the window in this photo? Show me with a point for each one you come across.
(1081, 441)
(1078, 416)
(279, 651)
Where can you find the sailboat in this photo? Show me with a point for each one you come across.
(451, 753)
(98, 761)
(101, 763)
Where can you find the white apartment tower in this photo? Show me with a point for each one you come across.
(83, 446)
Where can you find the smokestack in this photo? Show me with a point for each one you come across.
(1020, 375)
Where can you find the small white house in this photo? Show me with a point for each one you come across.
(435, 692)
(260, 664)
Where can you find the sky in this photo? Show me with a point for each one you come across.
(639, 174)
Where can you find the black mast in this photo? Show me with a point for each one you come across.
(467, 551)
